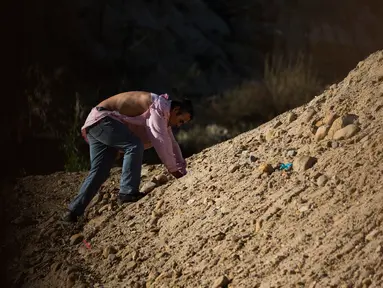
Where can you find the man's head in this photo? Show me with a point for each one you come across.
(181, 112)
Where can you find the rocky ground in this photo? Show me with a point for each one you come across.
(238, 219)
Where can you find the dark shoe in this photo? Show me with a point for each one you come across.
(128, 198)
(69, 217)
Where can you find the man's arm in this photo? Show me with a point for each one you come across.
(181, 163)
(157, 129)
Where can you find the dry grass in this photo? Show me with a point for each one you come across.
(288, 83)
(291, 81)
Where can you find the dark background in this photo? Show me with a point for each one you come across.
(80, 52)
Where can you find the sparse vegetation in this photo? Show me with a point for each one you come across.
(74, 160)
(291, 81)
(288, 83)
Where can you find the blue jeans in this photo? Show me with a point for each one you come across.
(105, 139)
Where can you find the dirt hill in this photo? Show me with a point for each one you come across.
(237, 219)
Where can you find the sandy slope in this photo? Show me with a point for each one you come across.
(227, 224)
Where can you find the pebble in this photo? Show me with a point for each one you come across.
(220, 236)
(310, 112)
(148, 187)
(233, 168)
(346, 132)
(109, 250)
(266, 168)
(303, 209)
(334, 144)
(321, 133)
(366, 282)
(329, 119)
(111, 257)
(277, 124)
(371, 236)
(303, 163)
(102, 209)
(76, 238)
(161, 179)
(159, 204)
(322, 180)
(131, 265)
(253, 159)
(341, 122)
(221, 282)
(269, 135)
(291, 117)
(291, 153)
(258, 225)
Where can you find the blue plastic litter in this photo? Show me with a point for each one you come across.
(285, 166)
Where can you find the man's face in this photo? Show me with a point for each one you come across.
(178, 118)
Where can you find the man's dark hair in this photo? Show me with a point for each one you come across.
(186, 106)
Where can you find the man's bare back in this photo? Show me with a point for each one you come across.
(128, 103)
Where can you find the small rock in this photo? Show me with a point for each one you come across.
(220, 236)
(329, 119)
(310, 112)
(321, 133)
(159, 204)
(253, 159)
(291, 153)
(258, 225)
(144, 172)
(322, 180)
(277, 124)
(233, 168)
(266, 168)
(304, 162)
(109, 250)
(319, 123)
(131, 265)
(161, 179)
(346, 132)
(269, 135)
(341, 122)
(221, 282)
(379, 249)
(111, 257)
(291, 116)
(102, 209)
(334, 144)
(154, 220)
(148, 187)
(135, 255)
(371, 236)
(303, 209)
(76, 238)
(365, 139)
(366, 282)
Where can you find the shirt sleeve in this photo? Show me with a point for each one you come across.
(181, 163)
(157, 129)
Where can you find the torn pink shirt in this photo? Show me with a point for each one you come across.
(151, 127)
